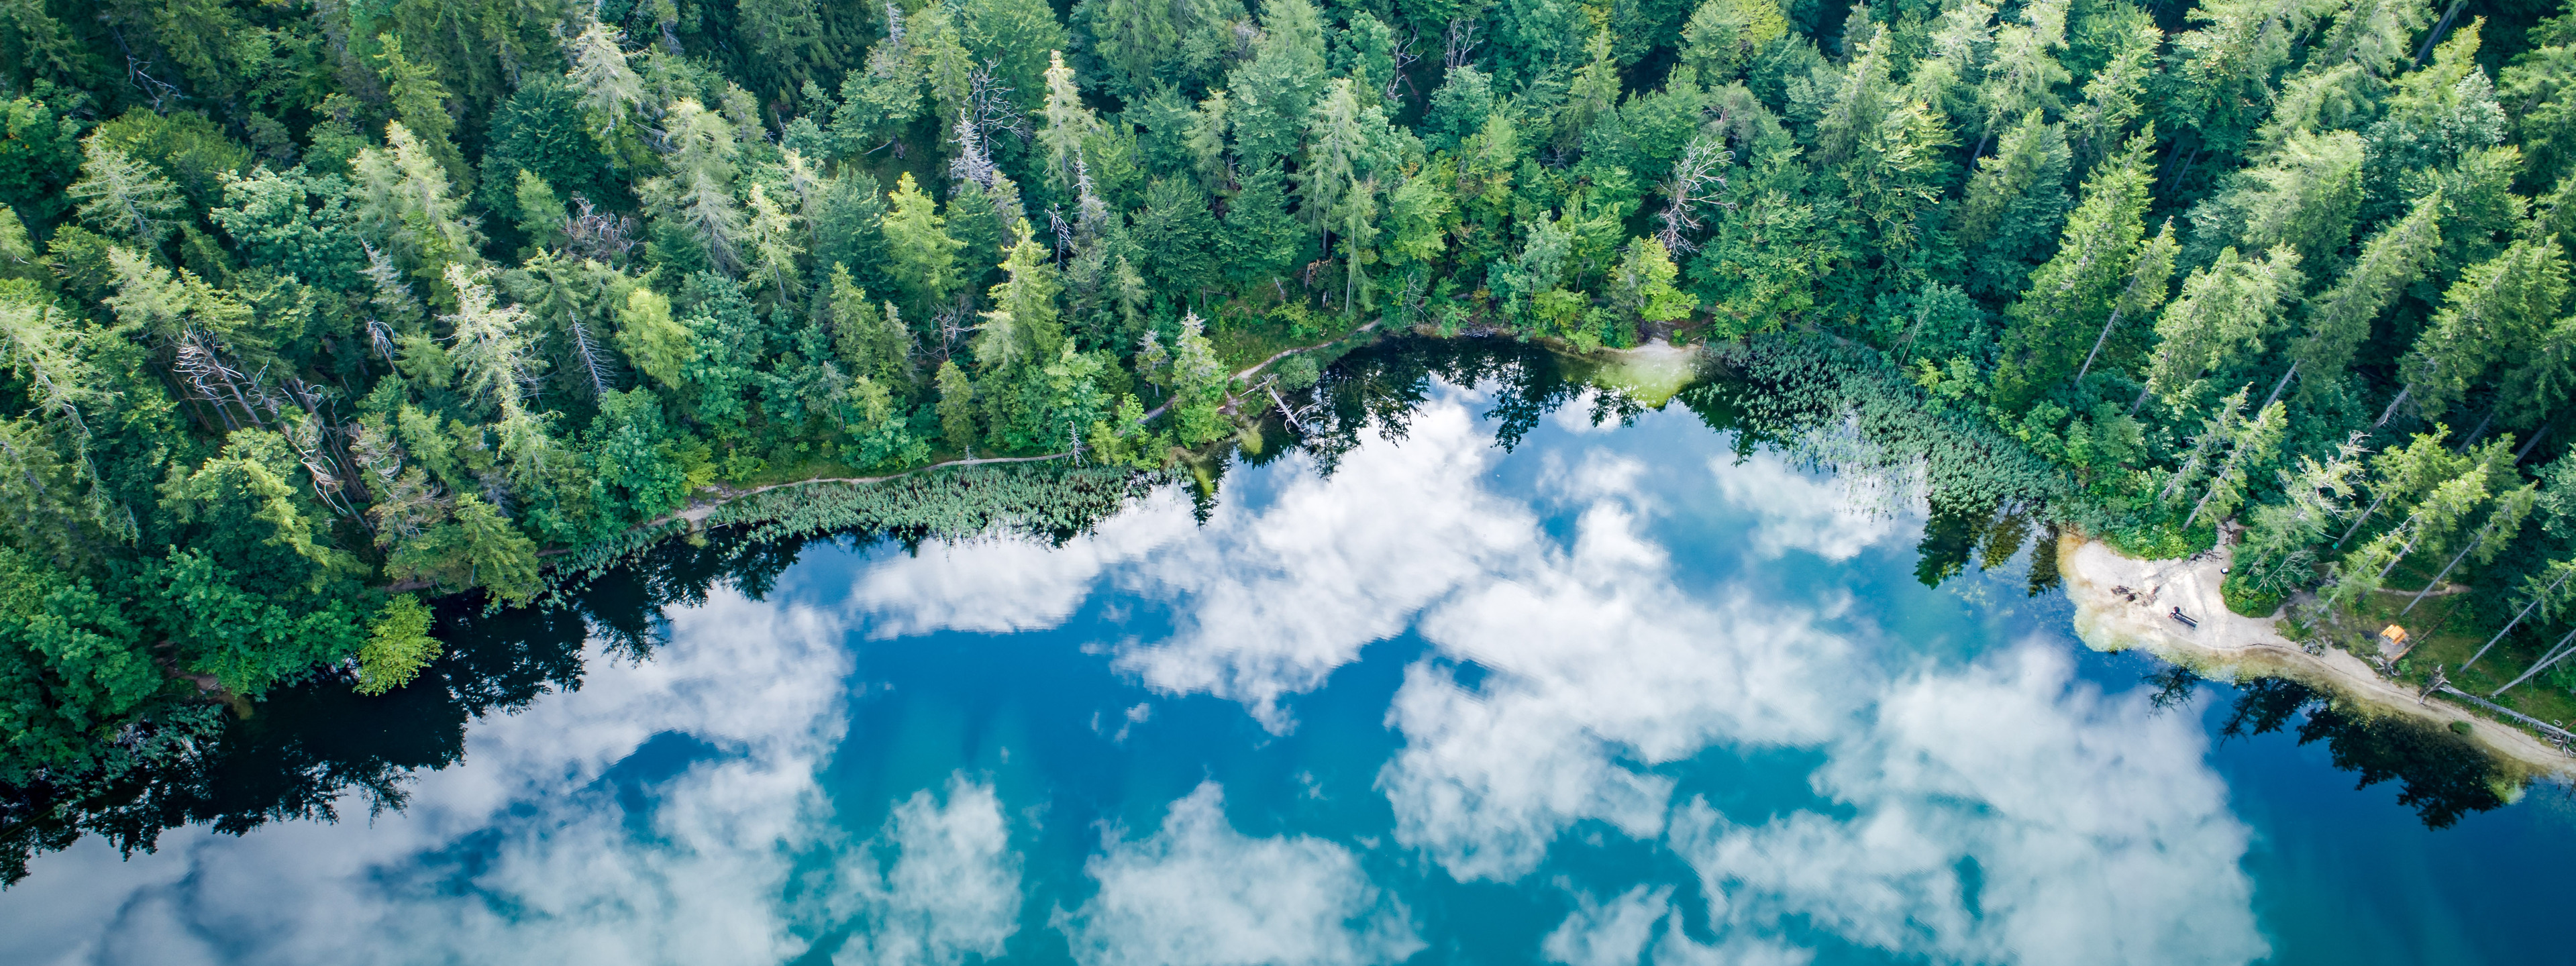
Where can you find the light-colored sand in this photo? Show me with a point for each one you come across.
(2227, 645)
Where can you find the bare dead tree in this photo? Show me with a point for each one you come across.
(1461, 43)
(989, 100)
(198, 361)
(596, 235)
(1091, 215)
(309, 437)
(951, 329)
(1696, 176)
(594, 361)
(1063, 231)
(1404, 57)
(972, 163)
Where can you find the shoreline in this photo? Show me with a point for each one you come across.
(2229, 642)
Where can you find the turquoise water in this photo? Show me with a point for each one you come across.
(1616, 695)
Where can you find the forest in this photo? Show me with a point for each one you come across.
(314, 311)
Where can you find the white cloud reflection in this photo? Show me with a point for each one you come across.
(1824, 517)
(527, 855)
(951, 893)
(1995, 812)
(1199, 893)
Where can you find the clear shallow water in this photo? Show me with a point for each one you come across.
(1618, 695)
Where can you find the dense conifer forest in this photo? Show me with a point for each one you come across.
(311, 310)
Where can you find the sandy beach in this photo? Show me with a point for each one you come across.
(2226, 644)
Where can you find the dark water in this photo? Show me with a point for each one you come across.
(1620, 694)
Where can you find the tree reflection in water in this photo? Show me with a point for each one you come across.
(305, 748)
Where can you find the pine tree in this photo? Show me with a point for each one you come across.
(491, 344)
(769, 239)
(421, 103)
(2074, 298)
(2306, 195)
(956, 407)
(922, 256)
(2013, 206)
(1275, 90)
(599, 70)
(2021, 78)
(1069, 128)
(1260, 240)
(2279, 553)
(125, 198)
(1198, 385)
(2340, 317)
(1722, 36)
(786, 40)
(872, 343)
(405, 203)
(2224, 311)
(2498, 308)
(2112, 101)
(653, 342)
(2251, 445)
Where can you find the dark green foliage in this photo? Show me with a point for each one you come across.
(541, 130)
(39, 154)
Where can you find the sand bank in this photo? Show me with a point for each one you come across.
(2227, 645)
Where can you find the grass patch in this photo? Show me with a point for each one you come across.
(2449, 634)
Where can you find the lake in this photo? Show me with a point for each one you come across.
(1642, 686)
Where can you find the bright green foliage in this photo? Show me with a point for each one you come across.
(398, 646)
(2497, 310)
(922, 256)
(2437, 116)
(2340, 317)
(1642, 289)
(2223, 313)
(1275, 88)
(1723, 35)
(2252, 443)
(656, 345)
(2013, 205)
(2305, 196)
(2279, 553)
(420, 102)
(956, 407)
(870, 342)
(72, 666)
(405, 202)
(124, 197)
(476, 548)
(1198, 385)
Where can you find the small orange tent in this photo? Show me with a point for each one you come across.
(2393, 642)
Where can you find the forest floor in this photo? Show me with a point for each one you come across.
(2123, 602)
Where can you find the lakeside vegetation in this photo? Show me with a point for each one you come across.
(313, 313)
(317, 747)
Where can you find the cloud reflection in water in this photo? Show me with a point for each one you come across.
(673, 811)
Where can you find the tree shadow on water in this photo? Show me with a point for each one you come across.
(2440, 775)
